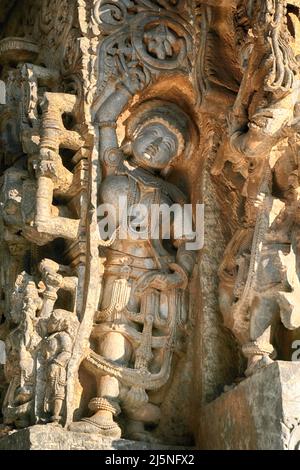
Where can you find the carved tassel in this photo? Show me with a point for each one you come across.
(119, 300)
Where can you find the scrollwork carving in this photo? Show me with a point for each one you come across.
(111, 15)
(149, 45)
(291, 433)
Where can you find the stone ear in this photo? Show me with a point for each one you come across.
(164, 173)
(127, 148)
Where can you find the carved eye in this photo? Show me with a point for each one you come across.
(169, 144)
(155, 132)
(251, 166)
(148, 132)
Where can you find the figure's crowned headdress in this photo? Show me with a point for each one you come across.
(163, 112)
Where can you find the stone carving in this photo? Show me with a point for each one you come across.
(110, 329)
(37, 325)
(61, 330)
(259, 280)
(53, 103)
(291, 433)
(143, 301)
(20, 345)
(148, 44)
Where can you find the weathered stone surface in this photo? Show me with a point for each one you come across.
(126, 116)
(52, 438)
(2, 352)
(262, 412)
(95, 326)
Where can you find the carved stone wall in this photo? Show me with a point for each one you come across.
(159, 102)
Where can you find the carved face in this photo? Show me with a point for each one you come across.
(55, 323)
(155, 146)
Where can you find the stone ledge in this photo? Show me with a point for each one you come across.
(48, 437)
(261, 413)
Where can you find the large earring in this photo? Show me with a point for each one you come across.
(127, 148)
(165, 172)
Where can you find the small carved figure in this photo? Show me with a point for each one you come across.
(27, 326)
(57, 348)
(21, 345)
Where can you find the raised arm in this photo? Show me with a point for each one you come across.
(106, 118)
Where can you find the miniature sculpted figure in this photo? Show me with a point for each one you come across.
(21, 344)
(34, 327)
(144, 299)
(57, 348)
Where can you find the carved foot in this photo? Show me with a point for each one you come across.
(4, 430)
(257, 364)
(98, 425)
(55, 420)
(23, 395)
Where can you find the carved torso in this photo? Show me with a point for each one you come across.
(125, 188)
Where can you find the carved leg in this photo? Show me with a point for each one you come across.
(264, 316)
(57, 406)
(115, 347)
(258, 356)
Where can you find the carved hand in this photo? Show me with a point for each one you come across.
(53, 280)
(259, 201)
(161, 282)
(118, 100)
(54, 371)
(131, 82)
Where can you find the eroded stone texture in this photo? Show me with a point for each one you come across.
(158, 102)
(50, 438)
(93, 328)
(259, 273)
(262, 412)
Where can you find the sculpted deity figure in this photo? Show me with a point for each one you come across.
(259, 282)
(33, 326)
(57, 348)
(20, 347)
(144, 298)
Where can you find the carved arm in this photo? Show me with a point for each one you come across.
(65, 349)
(106, 118)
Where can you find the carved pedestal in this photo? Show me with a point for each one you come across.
(261, 413)
(55, 438)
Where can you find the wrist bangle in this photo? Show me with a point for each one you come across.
(111, 124)
(125, 87)
(181, 271)
(112, 157)
(57, 363)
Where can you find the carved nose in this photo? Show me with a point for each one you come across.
(157, 141)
